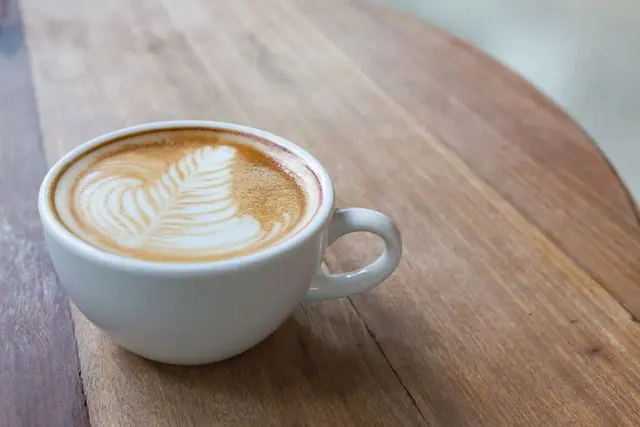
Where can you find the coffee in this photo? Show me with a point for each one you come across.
(186, 195)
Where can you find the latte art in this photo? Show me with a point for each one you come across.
(187, 208)
(183, 201)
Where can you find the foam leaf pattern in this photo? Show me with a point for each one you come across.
(188, 208)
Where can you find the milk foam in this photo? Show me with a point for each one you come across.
(188, 211)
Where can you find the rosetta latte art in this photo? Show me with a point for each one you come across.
(187, 210)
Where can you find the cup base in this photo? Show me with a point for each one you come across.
(188, 360)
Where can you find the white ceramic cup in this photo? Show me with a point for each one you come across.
(195, 313)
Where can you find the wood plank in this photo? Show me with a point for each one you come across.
(486, 311)
(465, 78)
(38, 361)
(322, 362)
(513, 138)
(320, 368)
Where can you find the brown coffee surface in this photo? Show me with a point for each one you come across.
(182, 196)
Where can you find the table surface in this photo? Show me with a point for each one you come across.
(582, 53)
(517, 301)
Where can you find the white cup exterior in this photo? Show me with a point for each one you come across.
(196, 313)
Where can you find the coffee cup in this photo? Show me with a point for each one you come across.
(189, 242)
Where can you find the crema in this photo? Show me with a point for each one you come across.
(186, 195)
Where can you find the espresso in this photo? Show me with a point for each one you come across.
(186, 195)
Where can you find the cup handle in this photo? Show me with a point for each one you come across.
(345, 221)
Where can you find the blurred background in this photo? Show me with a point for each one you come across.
(584, 54)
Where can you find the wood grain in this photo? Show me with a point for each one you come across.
(513, 138)
(492, 318)
(39, 370)
(323, 361)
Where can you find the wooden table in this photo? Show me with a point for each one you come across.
(518, 298)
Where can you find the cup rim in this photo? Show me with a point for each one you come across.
(82, 248)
